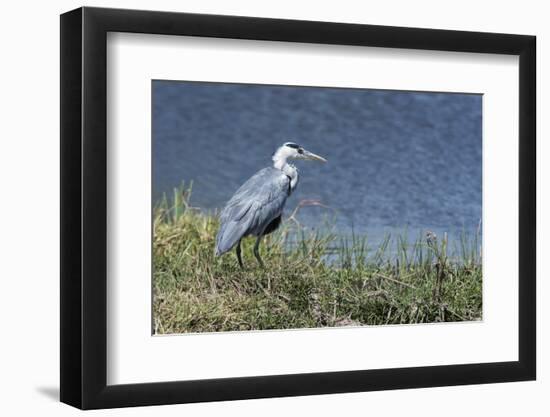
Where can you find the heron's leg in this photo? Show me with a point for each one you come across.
(257, 252)
(238, 250)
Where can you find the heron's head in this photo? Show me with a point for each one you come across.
(291, 150)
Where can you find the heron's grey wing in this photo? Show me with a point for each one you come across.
(231, 230)
(255, 204)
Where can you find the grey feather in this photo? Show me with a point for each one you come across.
(253, 206)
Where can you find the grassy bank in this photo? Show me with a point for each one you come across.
(320, 280)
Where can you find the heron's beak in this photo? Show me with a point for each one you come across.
(311, 156)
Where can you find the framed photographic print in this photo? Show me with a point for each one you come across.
(257, 208)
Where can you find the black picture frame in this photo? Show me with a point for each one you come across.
(84, 207)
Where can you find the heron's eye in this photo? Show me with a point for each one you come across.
(300, 151)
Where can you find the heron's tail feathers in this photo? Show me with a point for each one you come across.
(225, 240)
(229, 234)
(235, 222)
(222, 246)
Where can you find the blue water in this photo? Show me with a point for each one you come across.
(396, 160)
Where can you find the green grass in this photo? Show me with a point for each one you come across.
(320, 280)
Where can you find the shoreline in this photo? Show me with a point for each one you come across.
(194, 291)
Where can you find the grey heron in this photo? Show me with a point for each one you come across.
(257, 206)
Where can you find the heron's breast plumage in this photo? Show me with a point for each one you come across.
(292, 173)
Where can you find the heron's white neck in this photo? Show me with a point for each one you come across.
(280, 156)
(279, 162)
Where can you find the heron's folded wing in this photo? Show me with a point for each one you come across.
(230, 232)
(255, 204)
